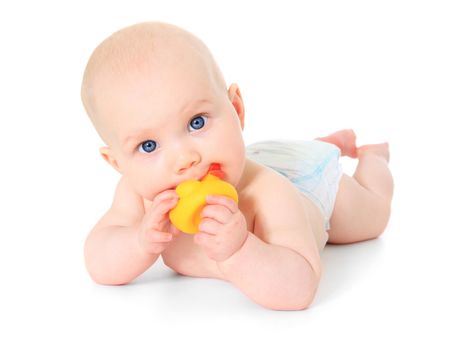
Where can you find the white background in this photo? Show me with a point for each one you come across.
(395, 71)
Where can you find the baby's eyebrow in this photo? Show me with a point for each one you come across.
(194, 104)
(137, 135)
(134, 137)
(131, 139)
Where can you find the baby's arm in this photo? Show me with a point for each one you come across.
(127, 241)
(279, 267)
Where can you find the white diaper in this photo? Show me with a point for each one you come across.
(312, 166)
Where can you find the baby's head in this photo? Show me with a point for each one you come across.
(159, 101)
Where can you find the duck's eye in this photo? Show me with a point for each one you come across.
(197, 122)
(147, 146)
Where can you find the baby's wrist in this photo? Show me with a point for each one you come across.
(142, 246)
(225, 266)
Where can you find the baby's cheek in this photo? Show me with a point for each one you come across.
(146, 186)
(150, 192)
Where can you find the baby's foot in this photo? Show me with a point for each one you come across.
(380, 149)
(345, 140)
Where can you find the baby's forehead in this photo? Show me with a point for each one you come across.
(137, 55)
(164, 65)
(168, 113)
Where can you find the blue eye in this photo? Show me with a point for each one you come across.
(198, 122)
(147, 146)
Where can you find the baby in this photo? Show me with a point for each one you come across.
(159, 102)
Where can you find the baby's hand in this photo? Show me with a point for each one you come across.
(155, 232)
(223, 228)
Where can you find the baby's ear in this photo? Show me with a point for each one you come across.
(236, 99)
(107, 155)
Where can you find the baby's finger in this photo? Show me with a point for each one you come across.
(156, 248)
(158, 214)
(217, 212)
(158, 237)
(224, 201)
(163, 196)
(209, 226)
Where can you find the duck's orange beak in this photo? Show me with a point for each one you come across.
(215, 169)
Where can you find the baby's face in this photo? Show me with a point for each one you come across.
(170, 126)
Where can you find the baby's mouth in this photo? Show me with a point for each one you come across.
(214, 169)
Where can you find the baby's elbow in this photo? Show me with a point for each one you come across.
(98, 272)
(305, 299)
(297, 303)
(306, 290)
(107, 281)
(101, 277)
(301, 297)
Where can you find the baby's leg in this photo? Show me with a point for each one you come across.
(363, 202)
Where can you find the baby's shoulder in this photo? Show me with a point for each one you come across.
(276, 207)
(265, 188)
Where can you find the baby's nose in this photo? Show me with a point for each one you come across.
(187, 160)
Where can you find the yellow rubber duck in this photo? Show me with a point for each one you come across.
(186, 216)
